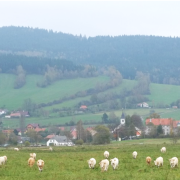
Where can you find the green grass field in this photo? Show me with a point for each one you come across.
(70, 163)
(90, 118)
(14, 98)
(163, 94)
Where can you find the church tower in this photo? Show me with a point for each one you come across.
(122, 120)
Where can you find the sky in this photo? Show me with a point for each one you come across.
(95, 18)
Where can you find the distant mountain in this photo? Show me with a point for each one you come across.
(158, 56)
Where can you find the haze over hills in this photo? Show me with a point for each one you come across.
(157, 56)
(51, 74)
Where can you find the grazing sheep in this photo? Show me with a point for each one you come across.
(159, 161)
(134, 154)
(106, 154)
(16, 149)
(173, 162)
(31, 161)
(5, 157)
(2, 160)
(33, 155)
(104, 164)
(114, 163)
(40, 164)
(163, 149)
(50, 148)
(92, 163)
(148, 160)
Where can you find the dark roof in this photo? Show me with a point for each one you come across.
(60, 139)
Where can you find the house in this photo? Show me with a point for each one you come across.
(18, 114)
(7, 131)
(143, 105)
(23, 139)
(83, 107)
(50, 136)
(3, 111)
(73, 132)
(138, 132)
(166, 123)
(59, 141)
(32, 126)
(92, 131)
(39, 129)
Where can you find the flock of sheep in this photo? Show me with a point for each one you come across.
(104, 164)
(31, 160)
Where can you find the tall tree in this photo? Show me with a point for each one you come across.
(80, 131)
(102, 136)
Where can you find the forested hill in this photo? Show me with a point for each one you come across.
(158, 56)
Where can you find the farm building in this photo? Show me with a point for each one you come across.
(143, 105)
(59, 141)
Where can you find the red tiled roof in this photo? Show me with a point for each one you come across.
(74, 134)
(163, 122)
(49, 136)
(83, 107)
(40, 129)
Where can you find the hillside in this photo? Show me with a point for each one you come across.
(13, 98)
(157, 56)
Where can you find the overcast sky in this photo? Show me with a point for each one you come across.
(93, 18)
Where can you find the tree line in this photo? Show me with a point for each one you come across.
(155, 55)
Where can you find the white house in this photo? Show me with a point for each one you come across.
(143, 104)
(59, 141)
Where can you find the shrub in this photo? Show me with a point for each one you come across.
(79, 142)
(27, 143)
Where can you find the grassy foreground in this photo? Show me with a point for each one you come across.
(70, 163)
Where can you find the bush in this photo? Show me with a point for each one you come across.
(27, 143)
(79, 142)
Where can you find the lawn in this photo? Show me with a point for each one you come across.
(70, 163)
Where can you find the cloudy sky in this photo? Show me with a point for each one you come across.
(93, 18)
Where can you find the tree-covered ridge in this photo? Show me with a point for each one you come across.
(158, 56)
(34, 65)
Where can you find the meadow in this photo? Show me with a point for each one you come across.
(90, 118)
(13, 98)
(70, 163)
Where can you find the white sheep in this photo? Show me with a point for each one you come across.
(159, 161)
(50, 148)
(173, 162)
(134, 154)
(114, 163)
(106, 154)
(104, 164)
(40, 164)
(31, 161)
(2, 160)
(33, 155)
(91, 163)
(16, 149)
(163, 149)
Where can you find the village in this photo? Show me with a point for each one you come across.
(34, 134)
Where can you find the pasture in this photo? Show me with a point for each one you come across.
(70, 163)
(90, 118)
